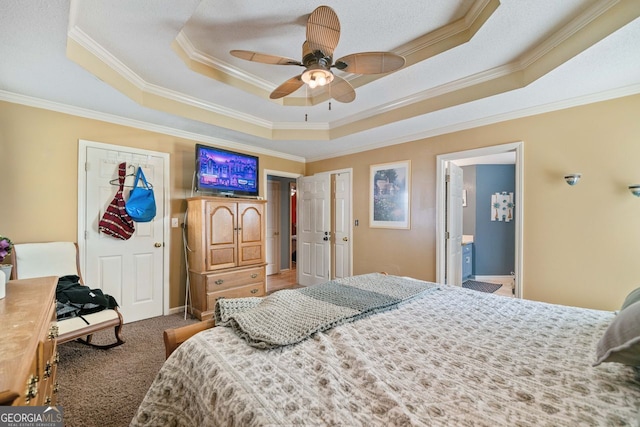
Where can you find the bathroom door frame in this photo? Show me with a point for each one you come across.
(441, 169)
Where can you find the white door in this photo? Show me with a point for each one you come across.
(454, 225)
(273, 227)
(129, 270)
(314, 228)
(342, 225)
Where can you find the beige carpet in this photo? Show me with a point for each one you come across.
(105, 387)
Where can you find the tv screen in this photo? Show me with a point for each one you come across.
(226, 173)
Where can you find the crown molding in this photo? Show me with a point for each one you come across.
(417, 50)
(559, 37)
(448, 31)
(111, 61)
(110, 118)
(498, 118)
(194, 54)
(198, 103)
(96, 49)
(561, 46)
(465, 82)
(138, 124)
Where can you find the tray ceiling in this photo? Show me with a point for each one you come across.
(165, 65)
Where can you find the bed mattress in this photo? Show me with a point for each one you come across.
(450, 357)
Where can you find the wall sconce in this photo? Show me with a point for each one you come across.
(573, 178)
(635, 189)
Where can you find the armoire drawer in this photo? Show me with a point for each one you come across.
(216, 282)
(254, 290)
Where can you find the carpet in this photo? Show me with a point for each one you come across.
(105, 387)
(481, 286)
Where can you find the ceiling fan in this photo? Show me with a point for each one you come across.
(323, 33)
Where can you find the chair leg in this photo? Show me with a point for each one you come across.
(119, 340)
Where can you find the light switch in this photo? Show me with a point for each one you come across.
(174, 222)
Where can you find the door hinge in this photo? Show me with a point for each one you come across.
(447, 178)
(86, 233)
(446, 235)
(86, 166)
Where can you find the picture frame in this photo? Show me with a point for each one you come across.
(389, 195)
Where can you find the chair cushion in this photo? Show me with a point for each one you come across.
(45, 259)
(73, 324)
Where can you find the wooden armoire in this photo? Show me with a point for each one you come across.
(226, 250)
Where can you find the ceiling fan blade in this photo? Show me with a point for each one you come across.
(370, 63)
(323, 30)
(290, 86)
(341, 90)
(264, 58)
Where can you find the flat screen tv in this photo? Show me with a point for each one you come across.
(226, 173)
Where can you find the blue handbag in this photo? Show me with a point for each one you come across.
(141, 205)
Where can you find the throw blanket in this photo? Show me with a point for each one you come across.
(290, 316)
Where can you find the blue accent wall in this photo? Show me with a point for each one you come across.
(494, 241)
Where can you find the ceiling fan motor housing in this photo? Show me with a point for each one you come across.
(318, 57)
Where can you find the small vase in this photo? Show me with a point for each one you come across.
(3, 285)
(7, 270)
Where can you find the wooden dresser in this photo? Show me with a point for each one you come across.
(28, 353)
(226, 239)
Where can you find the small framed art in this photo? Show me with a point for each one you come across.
(390, 190)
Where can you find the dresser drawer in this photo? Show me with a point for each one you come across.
(255, 290)
(220, 281)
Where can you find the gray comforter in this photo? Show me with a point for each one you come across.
(451, 357)
(290, 316)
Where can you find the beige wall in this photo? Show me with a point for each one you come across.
(39, 163)
(581, 243)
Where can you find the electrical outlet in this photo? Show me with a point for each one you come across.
(174, 222)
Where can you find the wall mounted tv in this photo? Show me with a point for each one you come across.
(226, 173)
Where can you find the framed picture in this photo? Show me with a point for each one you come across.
(389, 195)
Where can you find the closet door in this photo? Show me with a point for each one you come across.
(132, 270)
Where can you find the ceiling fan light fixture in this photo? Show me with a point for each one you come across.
(315, 77)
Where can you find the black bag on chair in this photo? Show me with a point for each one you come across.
(74, 299)
(141, 205)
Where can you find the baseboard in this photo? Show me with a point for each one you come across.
(177, 310)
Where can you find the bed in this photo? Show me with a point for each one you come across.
(447, 356)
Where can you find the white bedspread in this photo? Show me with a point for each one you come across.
(453, 357)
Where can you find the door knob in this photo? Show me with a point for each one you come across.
(158, 245)
(345, 238)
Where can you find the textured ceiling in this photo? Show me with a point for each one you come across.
(165, 65)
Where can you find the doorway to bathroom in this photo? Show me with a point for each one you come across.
(499, 239)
